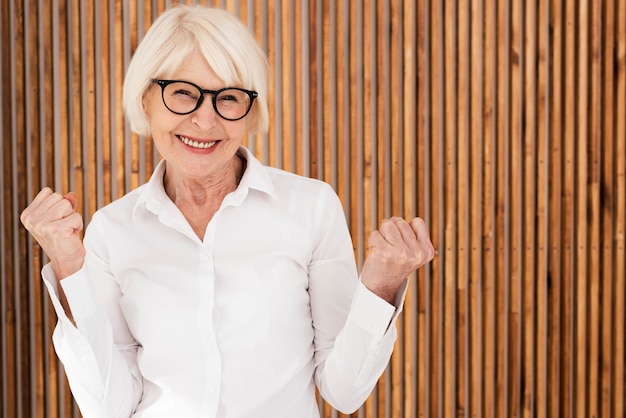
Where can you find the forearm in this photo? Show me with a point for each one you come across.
(103, 377)
(360, 353)
(62, 269)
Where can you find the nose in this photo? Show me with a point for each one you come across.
(205, 116)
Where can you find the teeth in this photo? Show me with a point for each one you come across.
(196, 144)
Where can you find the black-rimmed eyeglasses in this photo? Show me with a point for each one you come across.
(184, 97)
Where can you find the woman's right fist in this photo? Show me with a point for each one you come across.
(52, 220)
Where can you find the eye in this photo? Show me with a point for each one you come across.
(182, 93)
(228, 97)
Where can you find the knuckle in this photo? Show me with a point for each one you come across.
(24, 217)
(387, 226)
(66, 205)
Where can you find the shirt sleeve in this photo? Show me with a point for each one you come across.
(355, 329)
(100, 363)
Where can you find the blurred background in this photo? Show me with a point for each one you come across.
(501, 122)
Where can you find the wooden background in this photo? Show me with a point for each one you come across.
(501, 122)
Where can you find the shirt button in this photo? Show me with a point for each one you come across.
(212, 391)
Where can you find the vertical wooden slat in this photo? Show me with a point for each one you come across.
(105, 171)
(466, 198)
(20, 152)
(438, 162)
(485, 100)
(502, 390)
(553, 173)
(606, 210)
(431, 211)
(275, 86)
(329, 86)
(542, 301)
(569, 239)
(424, 288)
(94, 118)
(295, 75)
(619, 242)
(316, 95)
(582, 214)
(527, 158)
(284, 85)
(5, 167)
(304, 133)
(4, 105)
(353, 127)
(594, 220)
(480, 42)
(449, 214)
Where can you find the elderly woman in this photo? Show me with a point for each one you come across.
(220, 288)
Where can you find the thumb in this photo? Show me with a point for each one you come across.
(72, 198)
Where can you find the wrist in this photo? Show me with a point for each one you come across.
(385, 292)
(66, 268)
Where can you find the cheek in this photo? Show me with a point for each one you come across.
(159, 118)
(151, 104)
(237, 132)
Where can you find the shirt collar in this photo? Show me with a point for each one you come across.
(153, 196)
(256, 176)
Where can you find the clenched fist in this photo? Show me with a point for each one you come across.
(397, 249)
(52, 220)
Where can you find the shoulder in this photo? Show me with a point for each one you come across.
(121, 209)
(287, 182)
(303, 195)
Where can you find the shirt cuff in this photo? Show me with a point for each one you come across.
(374, 314)
(78, 293)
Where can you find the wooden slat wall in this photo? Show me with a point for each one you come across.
(502, 123)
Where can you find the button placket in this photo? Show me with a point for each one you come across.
(212, 358)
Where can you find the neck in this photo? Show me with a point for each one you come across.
(201, 191)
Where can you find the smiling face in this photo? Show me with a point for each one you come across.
(200, 146)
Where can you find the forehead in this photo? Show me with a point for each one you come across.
(196, 68)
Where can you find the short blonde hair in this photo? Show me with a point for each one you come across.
(225, 42)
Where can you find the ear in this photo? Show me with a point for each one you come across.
(144, 105)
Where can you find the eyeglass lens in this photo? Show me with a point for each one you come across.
(182, 97)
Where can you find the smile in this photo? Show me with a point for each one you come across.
(195, 144)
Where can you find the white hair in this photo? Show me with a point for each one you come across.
(225, 42)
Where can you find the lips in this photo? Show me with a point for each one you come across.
(196, 144)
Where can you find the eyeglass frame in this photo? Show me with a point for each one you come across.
(214, 93)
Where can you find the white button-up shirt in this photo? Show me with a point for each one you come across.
(243, 323)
